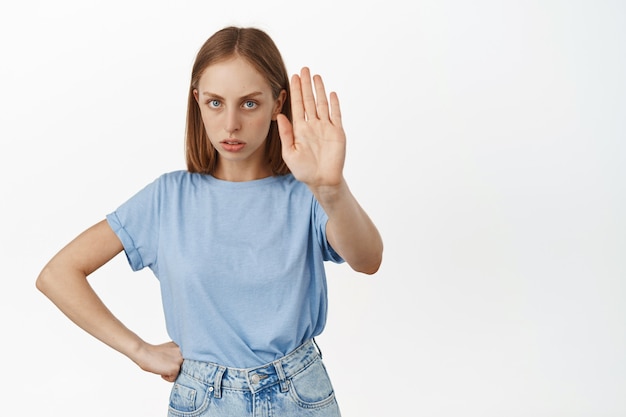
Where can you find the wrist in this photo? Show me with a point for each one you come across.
(136, 350)
(328, 194)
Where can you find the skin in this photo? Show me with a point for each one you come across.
(237, 107)
(314, 148)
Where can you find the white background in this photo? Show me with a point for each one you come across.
(486, 140)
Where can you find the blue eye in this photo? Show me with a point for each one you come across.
(214, 103)
(249, 104)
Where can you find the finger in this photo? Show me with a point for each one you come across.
(322, 102)
(297, 107)
(335, 109)
(308, 98)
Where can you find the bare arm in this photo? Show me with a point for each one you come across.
(314, 149)
(349, 230)
(64, 281)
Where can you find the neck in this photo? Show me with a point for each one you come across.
(239, 173)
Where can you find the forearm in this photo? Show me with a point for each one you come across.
(70, 291)
(349, 230)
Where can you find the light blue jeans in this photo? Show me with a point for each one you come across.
(296, 385)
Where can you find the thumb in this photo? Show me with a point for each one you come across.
(169, 378)
(285, 131)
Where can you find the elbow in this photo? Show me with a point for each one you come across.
(56, 278)
(371, 266)
(42, 283)
(48, 281)
(368, 271)
(371, 269)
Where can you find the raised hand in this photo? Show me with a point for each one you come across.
(314, 147)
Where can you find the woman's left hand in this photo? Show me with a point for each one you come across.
(314, 147)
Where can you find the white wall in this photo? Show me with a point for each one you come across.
(486, 139)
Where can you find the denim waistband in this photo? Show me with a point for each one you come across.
(253, 379)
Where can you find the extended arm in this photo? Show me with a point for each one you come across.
(64, 281)
(314, 148)
(350, 231)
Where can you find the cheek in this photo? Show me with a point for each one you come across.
(211, 128)
(260, 123)
(209, 120)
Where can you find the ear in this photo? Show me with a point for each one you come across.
(279, 103)
(195, 95)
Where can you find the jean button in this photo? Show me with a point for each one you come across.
(255, 378)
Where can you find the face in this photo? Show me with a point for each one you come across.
(237, 107)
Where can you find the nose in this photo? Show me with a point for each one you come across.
(232, 123)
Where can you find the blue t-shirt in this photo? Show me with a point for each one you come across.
(240, 264)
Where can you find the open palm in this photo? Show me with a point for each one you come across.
(314, 147)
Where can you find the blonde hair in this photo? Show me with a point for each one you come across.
(258, 49)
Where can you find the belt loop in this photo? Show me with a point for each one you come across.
(217, 388)
(318, 348)
(284, 384)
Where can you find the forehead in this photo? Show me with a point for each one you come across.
(234, 75)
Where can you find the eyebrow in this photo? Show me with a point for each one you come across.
(250, 95)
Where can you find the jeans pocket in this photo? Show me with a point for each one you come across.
(189, 397)
(311, 388)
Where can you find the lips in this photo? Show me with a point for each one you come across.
(232, 145)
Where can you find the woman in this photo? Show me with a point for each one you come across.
(237, 241)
